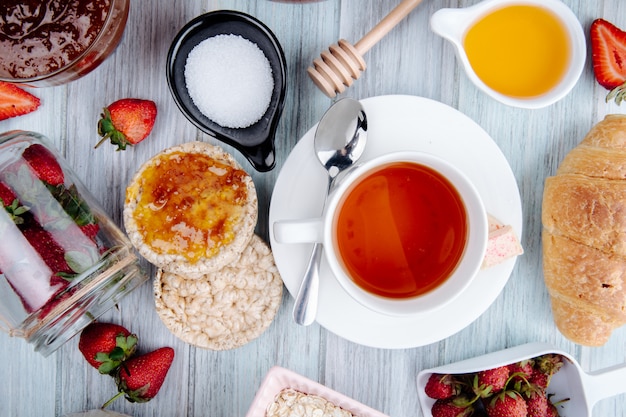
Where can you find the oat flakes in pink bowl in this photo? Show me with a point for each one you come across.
(283, 388)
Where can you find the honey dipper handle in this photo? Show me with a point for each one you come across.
(384, 26)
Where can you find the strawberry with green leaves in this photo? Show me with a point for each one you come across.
(442, 386)
(105, 346)
(491, 381)
(608, 53)
(458, 406)
(140, 378)
(15, 101)
(127, 122)
(508, 403)
(11, 204)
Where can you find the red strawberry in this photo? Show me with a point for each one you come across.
(61, 295)
(441, 386)
(608, 53)
(106, 345)
(549, 363)
(506, 404)
(141, 377)
(491, 381)
(6, 195)
(522, 370)
(536, 403)
(90, 230)
(11, 204)
(49, 250)
(127, 122)
(44, 164)
(552, 411)
(452, 407)
(15, 102)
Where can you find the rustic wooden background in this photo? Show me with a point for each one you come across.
(410, 60)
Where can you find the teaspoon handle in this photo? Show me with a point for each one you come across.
(305, 308)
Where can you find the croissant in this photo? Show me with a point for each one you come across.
(584, 236)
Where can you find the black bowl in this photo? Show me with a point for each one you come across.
(255, 142)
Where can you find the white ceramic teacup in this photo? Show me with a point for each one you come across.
(454, 24)
(402, 299)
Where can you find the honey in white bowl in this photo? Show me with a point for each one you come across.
(519, 50)
(523, 53)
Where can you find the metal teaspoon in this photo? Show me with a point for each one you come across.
(339, 142)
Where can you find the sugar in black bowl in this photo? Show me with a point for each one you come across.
(226, 71)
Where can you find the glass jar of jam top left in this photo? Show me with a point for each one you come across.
(51, 42)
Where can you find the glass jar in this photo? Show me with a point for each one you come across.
(63, 262)
(51, 42)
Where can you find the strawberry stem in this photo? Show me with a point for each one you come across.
(109, 402)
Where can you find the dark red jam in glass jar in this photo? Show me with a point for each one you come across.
(51, 42)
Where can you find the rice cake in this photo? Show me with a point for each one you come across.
(225, 309)
(191, 209)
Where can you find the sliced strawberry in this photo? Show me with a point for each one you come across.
(608, 52)
(6, 195)
(49, 250)
(11, 204)
(15, 101)
(127, 122)
(90, 230)
(44, 164)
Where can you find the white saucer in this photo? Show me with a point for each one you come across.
(398, 123)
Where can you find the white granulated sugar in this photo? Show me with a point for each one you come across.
(230, 80)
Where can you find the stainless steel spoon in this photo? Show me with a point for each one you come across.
(339, 142)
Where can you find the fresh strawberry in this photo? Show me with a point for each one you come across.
(441, 386)
(608, 53)
(490, 381)
(452, 407)
(15, 101)
(552, 411)
(549, 364)
(44, 164)
(536, 403)
(6, 195)
(105, 346)
(11, 204)
(49, 250)
(508, 403)
(61, 295)
(521, 371)
(90, 230)
(140, 378)
(127, 122)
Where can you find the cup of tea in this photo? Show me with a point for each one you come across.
(403, 233)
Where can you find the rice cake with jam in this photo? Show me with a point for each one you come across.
(191, 209)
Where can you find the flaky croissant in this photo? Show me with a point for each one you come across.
(584, 235)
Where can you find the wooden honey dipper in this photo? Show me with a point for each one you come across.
(343, 63)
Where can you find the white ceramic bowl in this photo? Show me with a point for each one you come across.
(452, 24)
(583, 389)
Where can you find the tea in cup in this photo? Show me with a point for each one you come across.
(523, 53)
(404, 233)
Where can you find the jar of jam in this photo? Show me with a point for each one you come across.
(63, 262)
(51, 42)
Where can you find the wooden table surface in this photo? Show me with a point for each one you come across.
(411, 60)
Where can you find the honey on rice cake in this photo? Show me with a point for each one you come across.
(191, 209)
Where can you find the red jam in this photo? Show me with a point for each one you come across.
(40, 37)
